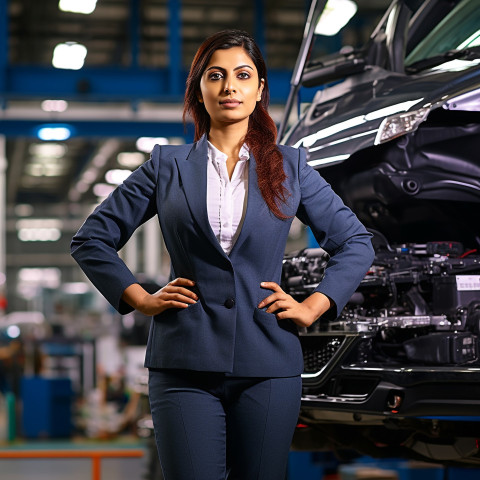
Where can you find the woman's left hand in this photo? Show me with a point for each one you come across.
(285, 306)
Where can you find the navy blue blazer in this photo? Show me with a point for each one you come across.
(224, 331)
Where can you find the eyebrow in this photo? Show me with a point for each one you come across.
(221, 68)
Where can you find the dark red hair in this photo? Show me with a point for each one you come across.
(262, 132)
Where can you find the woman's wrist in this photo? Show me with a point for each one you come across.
(318, 303)
(135, 295)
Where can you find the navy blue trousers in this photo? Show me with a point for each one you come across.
(209, 426)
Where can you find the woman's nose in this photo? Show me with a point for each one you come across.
(229, 87)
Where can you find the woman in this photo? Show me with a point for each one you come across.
(223, 350)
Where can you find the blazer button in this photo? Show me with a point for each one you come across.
(229, 302)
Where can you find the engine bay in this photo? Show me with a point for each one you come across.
(419, 304)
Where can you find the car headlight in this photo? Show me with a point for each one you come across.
(398, 125)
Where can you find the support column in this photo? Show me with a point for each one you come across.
(130, 253)
(152, 249)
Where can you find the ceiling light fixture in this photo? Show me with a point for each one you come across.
(130, 159)
(69, 56)
(77, 6)
(117, 176)
(336, 15)
(146, 144)
(54, 132)
(54, 106)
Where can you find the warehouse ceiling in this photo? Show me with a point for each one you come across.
(123, 38)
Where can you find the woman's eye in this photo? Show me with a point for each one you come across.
(215, 76)
(243, 75)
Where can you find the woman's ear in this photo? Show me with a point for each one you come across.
(260, 89)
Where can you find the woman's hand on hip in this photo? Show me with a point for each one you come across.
(173, 295)
(285, 306)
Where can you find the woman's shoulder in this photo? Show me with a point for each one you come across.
(167, 151)
(289, 153)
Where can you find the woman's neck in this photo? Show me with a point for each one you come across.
(228, 140)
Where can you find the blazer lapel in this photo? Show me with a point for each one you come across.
(193, 172)
(255, 204)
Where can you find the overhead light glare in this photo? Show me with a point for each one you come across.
(130, 159)
(336, 15)
(77, 6)
(146, 144)
(48, 150)
(117, 176)
(54, 106)
(57, 133)
(39, 234)
(69, 55)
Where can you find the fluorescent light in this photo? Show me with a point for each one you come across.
(130, 159)
(39, 234)
(146, 144)
(77, 6)
(117, 176)
(43, 277)
(54, 132)
(69, 55)
(39, 222)
(335, 16)
(48, 150)
(39, 230)
(54, 105)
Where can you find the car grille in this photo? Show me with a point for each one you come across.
(319, 350)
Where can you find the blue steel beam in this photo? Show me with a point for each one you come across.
(98, 129)
(113, 84)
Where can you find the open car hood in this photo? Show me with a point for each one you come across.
(400, 147)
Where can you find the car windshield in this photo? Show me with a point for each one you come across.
(459, 30)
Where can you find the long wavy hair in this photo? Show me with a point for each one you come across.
(262, 132)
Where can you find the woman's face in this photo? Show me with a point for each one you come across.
(230, 87)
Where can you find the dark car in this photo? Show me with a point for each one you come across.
(394, 127)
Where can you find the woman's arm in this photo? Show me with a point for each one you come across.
(338, 231)
(109, 227)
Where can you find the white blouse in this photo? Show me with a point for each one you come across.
(226, 198)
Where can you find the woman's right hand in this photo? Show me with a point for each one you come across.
(173, 295)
